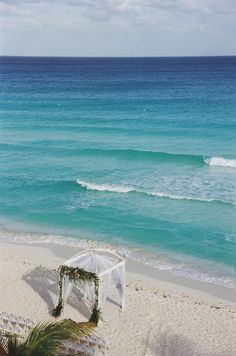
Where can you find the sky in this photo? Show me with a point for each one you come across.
(117, 27)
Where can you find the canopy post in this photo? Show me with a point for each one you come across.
(60, 304)
(99, 295)
(123, 287)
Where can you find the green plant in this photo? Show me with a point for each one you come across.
(95, 316)
(75, 274)
(45, 338)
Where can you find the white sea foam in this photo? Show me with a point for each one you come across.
(128, 189)
(221, 162)
(178, 197)
(104, 187)
(229, 238)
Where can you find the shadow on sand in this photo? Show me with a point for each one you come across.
(44, 282)
(170, 344)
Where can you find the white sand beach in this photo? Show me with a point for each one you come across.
(164, 315)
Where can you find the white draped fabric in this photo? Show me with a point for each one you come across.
(109, 267)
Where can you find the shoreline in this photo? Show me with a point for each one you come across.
(143, 272)
(159, 278)
(138, 259)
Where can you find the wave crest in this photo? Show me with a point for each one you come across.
(154, 156)
(221, 162)
(104, 187)
(128, 189)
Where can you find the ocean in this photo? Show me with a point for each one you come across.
(136, 153)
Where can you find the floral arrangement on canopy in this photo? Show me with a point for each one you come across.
(74, 274)
(94, 268)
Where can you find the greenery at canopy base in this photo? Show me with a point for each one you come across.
(57, 311)
(95, 316)
(75, 274)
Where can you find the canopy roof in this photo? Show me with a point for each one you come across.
(99, 261)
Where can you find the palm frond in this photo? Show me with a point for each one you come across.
(13, 347)
(46, 338)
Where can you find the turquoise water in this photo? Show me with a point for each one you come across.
(138, 152)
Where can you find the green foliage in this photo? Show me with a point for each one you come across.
(46, 338)
(57, 311)
(75, 274)
(95, 316)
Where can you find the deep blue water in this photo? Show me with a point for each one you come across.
(137, 152)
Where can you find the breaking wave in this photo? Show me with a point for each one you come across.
(221, 162)
(133, 154)
(129, 189)
(160, 157)
(104, 187)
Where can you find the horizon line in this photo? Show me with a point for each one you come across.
(113, 57)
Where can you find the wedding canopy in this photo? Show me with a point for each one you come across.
(92, 272)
